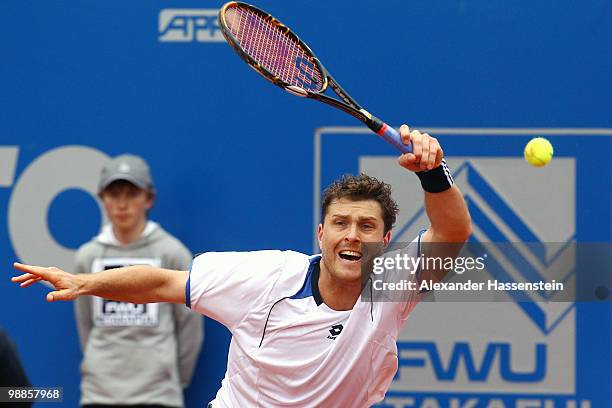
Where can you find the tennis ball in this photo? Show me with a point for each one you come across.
(538, 152)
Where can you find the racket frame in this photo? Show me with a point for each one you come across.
(346, 104)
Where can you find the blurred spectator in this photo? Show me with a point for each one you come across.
(134, 354)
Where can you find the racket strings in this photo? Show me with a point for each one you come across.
(275, 51)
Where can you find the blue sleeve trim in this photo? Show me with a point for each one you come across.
(188, 287)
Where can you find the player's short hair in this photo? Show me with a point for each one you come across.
(362, 187)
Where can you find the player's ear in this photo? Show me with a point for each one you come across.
(387, 239)
(320, 234)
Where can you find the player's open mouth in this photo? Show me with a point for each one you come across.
(352, 256)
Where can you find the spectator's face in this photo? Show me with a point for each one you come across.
(346, 226)
(126, 205)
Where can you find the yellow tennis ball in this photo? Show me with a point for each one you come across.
(538, 152)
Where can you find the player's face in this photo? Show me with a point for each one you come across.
(126, 205)
(346, 226)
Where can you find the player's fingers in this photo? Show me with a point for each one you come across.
(417, 144)
(22, 278)
(29, 282)
(439, 156)
(434, 149)
(34, 270)
(64, 294)
(405, 134)
(425, 146)
(407, 159)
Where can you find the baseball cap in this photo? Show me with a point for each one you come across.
(126, 167)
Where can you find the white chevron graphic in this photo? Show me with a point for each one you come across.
(557, 262)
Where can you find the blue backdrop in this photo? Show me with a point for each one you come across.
(232, 156)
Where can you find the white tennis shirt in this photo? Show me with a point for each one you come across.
(309, 355)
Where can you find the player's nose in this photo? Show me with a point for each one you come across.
(352, 233)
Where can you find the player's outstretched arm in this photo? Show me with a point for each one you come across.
(446, 210)
(450, 222)
(136, 284)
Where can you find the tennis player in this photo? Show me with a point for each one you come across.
(300, 335)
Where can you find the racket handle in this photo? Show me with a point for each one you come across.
(390, 135)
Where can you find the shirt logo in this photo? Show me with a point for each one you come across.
(335, 331)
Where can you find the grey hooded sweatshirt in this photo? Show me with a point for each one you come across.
(135, 354)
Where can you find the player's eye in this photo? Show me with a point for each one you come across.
(368, 227)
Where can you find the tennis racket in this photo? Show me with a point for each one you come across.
(274, 51)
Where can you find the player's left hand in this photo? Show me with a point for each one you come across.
(426, 151)
(67, 285)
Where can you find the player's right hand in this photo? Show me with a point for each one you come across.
(426, 150)
(67, 286)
